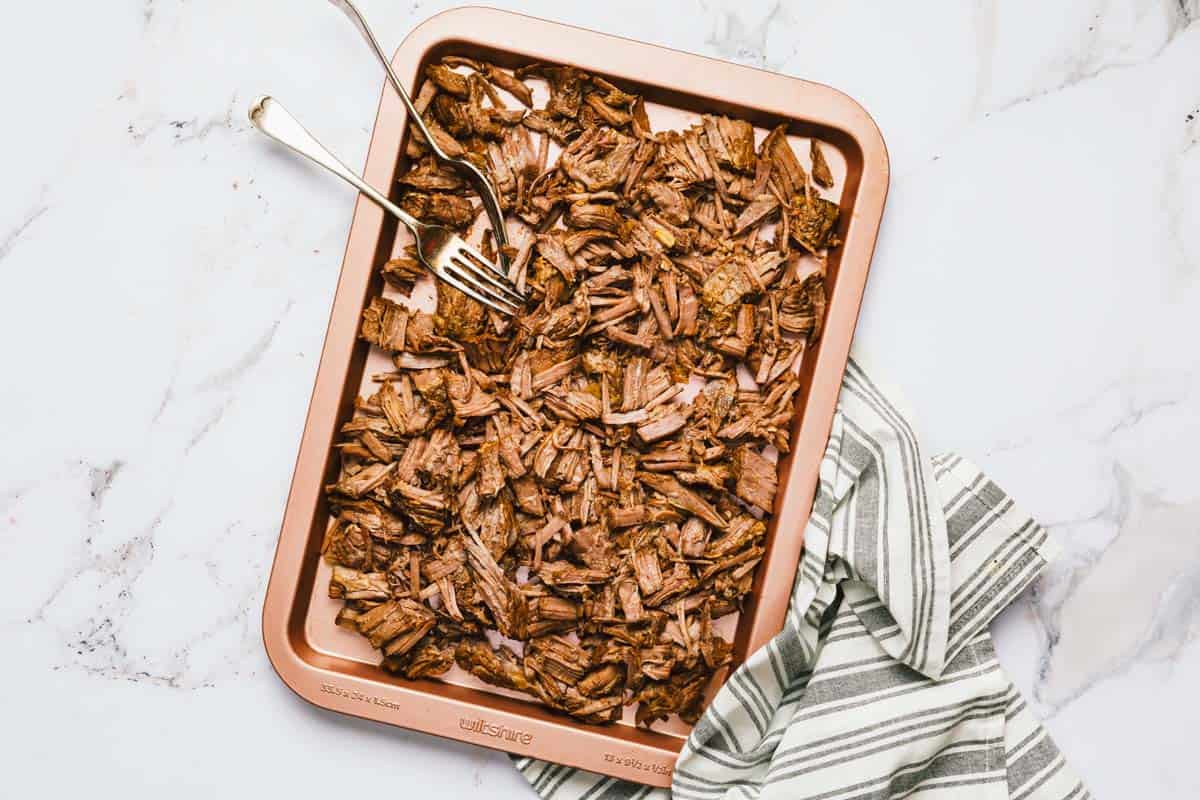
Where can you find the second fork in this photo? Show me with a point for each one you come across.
(446, 254)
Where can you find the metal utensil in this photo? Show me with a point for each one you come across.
(444, 252)
(483, 186)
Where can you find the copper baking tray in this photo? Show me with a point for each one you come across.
(335, 669)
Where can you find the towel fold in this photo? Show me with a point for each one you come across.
(884, 682)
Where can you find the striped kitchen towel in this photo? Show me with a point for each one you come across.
(884, 682)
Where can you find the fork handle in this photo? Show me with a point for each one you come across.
(483, 184)
(273, 119)
(351, 11)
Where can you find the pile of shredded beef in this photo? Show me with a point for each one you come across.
(541, 477)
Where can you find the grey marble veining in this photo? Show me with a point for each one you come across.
(165, 281)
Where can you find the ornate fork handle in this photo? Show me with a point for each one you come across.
(273, 119)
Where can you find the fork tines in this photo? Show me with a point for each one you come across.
(467, 270)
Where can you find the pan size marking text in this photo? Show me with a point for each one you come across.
(358, 697)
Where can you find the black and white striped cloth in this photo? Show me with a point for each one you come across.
(884, 682)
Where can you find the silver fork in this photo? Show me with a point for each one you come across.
(444, 252)
(483, 186)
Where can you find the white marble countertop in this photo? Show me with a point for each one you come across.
(165, 281)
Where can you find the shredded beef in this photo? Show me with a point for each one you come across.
(543, 478)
